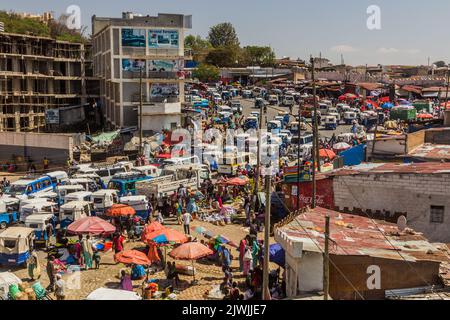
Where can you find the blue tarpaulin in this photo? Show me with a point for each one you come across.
(277, 255)
(354, 156)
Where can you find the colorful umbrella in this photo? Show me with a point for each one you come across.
(191, 251)
(327, 153)
(120, 210)
(132, 257)
(341, 146)
(222, 239)
(167, 235)
(199, 230)
(91, 225)
(424, 116)
(240, 181)
(348, 96)
(152, 227)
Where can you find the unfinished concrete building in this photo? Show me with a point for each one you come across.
(40, 73)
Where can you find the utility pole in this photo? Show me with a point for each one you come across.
(448, 83)
(326, 260)
(315, 150)
(140, 111)
(298, 154)
(258, 157)
(266, 292)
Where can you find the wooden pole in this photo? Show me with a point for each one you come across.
(258, 159)
(315, 150)
(266, 292)
(298, 155)
(326, 261)
(140, 111)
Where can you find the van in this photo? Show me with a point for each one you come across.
(288, 101)
(152, 171)
(176, 161)
(58, 177)
(24, 187)
(273, 100)
(37, 208)
(103, 199)
(78, 196)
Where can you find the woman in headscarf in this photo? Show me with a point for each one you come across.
(242, 246)
(248, 261)
(34, 269)
(88, 252)
(192, 207)
(125, 281)
(255, 251)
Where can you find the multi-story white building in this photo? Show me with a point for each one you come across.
(125, 47)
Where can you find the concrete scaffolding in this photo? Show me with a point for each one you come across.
(39, 73)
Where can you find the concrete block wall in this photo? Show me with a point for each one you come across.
(390, 193)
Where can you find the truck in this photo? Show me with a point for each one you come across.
(190, 176)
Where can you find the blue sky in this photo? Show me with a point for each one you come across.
(411, 31)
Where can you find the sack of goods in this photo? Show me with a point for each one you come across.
(38, 290)
(30, 293)
(14, 291)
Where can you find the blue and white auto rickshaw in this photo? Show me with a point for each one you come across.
(15, 244)
(330, 123)
(7, 216)
(138, 203)
(274, 126)
(38, 222)
(72, 211)
(251, 123)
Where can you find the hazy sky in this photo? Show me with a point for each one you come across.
(411, 30)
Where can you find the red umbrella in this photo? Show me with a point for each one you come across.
(167, 235)
(120, 210)
(91, 225)
(239, 181)
(191, 251)
(327, 153)
(348, 96)
(132, 257)
(424, 116)
(152, 227)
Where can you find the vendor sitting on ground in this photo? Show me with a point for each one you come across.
(172, 273)
(137, 272)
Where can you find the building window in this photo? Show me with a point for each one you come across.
(437, 214)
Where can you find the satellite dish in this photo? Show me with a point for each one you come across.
(401, 223)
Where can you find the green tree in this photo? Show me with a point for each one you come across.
(200, 47)
(223, 56)
(223, 35)
(206, 73)
(256, 55)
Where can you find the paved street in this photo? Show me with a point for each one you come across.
(272, 111)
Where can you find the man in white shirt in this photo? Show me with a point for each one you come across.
(186, 217)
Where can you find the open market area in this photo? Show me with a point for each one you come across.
(142, 162)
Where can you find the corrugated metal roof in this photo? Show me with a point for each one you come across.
(399, 168)
(358, 235)
(432, 152)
